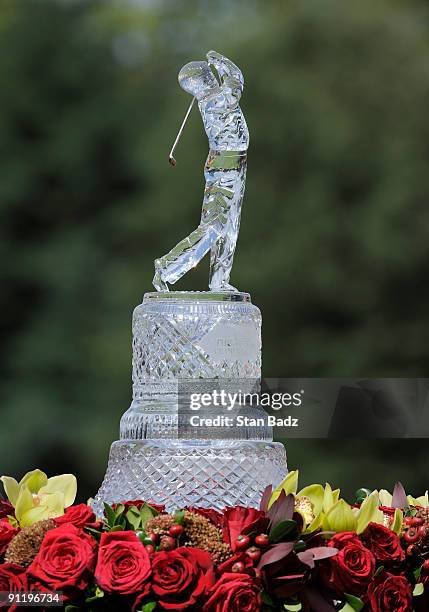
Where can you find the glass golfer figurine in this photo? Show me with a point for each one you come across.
(181, 339)
(217, 85)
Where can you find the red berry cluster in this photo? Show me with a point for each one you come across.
(163, 542)
(253, 550)
(416, 533)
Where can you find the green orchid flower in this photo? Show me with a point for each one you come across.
(322, 508)
(36, 497)
(322, 499)
(423, 500)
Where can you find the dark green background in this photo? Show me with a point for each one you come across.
(334, 241)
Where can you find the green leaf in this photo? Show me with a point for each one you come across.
(179, 517)
(94, 532)
(148, 607)
(266, 599)
(155, 512)
(98, 594)
(418, 589)
(133, 519)
(285, 531)
(115, 528)
(346, 608)
(378, 571)
(119, 509)
(300, 546)
(417, 572)
(293, 607)
(362, 494)
(355, 602)
(110, 514)
(146, 513)
(120, 521)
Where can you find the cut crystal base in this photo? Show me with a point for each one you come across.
(179, 336)
(212, 475)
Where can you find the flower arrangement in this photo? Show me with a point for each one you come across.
(300, 551)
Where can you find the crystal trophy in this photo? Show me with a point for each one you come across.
(210, 335)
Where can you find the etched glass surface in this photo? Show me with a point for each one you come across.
(211, 476)
(218, 93)
(180, 335)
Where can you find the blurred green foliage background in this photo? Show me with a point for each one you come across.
(334, 241)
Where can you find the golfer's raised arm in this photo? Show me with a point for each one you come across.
(226, 69)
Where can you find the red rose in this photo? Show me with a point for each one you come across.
(6, 534)
(80, 516)
(352, 569)
(181, 577)
(123, 564)
(65, 561)
(139, 503)
(390, 593)
(383, 543)
(234, 593)
(240, 520)
(13, 578)
(343, 539)
(212, 515)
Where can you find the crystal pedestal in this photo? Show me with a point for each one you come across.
(180, 336)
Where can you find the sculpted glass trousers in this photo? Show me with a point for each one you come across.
(225, 174)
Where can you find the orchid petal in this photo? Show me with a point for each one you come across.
(53, 502)
(369, 513)
(11, 488)
(340, 517)
(385, 498)
(397, 521)
(316, 495)
(289, 485)
(66, 484)
(24, 502)
(315, 524)
(34, 480)
(34, 515)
